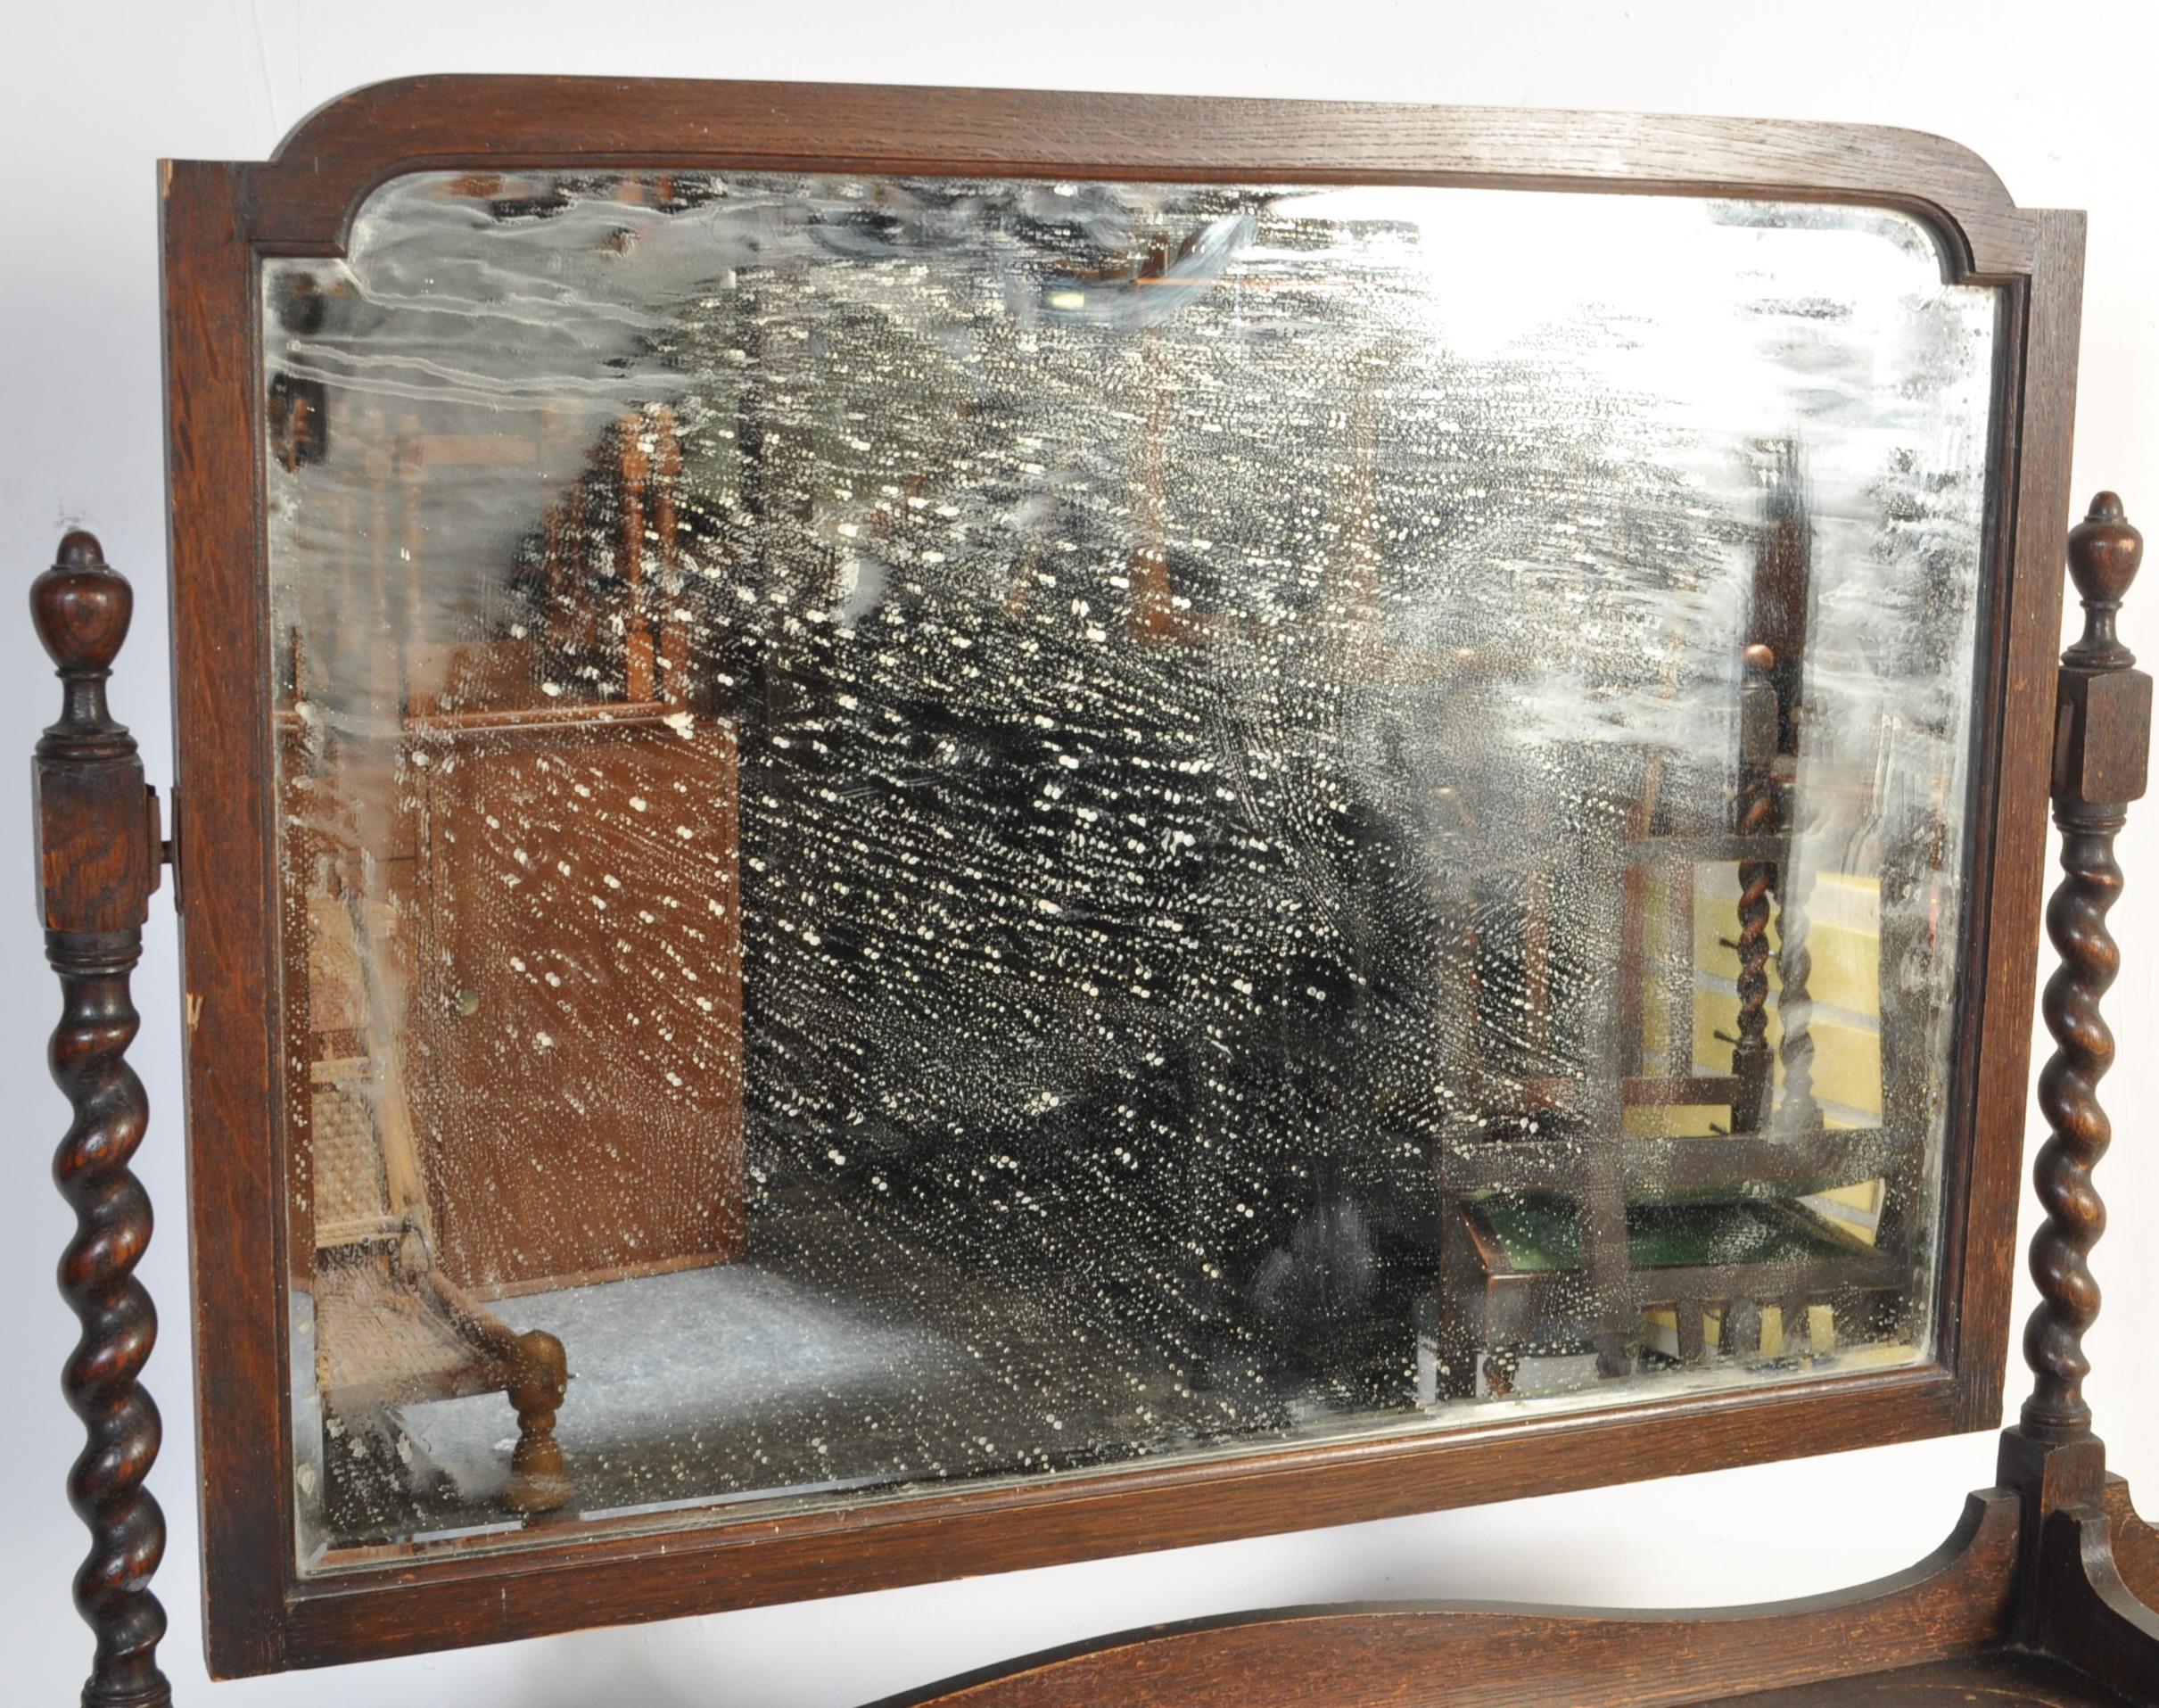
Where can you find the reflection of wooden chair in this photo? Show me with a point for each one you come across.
(390, 1329)
(1559, 1227)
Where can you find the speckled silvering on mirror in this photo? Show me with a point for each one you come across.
(965, 830)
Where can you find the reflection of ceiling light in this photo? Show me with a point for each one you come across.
(1067, 301)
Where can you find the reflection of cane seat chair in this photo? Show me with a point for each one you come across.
(410, 1228)
(390, 1328)
(1563, 1221)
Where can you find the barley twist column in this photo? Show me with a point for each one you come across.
(1755, 817)
(98, 861)
(2102, 732)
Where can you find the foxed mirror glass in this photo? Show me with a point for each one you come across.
(967, 829)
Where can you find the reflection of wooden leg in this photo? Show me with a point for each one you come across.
(1742, 1335)
(539, 1375)
(1455, 1356)
(1794, 1003)
(1791, 1310)
(1460, 1310)
(1615, 1350)
(1691, 1331)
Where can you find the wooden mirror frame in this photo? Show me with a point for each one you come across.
(220, 220)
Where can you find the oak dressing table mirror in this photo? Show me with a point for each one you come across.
(923, 831)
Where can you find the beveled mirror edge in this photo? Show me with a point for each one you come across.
(219, 219)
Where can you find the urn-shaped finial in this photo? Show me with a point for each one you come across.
(81, 606)
(2103, 553)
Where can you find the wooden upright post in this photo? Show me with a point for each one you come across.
(97, 863)
(1757, 817)
(2070, 1600)
(2102, 735)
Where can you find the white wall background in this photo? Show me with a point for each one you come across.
(93, 93)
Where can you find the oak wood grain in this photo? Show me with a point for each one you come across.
(220, 219)
(97, 862)
(1953, 1603)
(305, 196)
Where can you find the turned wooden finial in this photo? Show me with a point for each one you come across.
(2104, 552)
(82, 607)
(539, 1378)
(1759, 710)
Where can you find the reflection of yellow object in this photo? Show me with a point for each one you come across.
(1845, 940)
(1660, 1331)
(1847, 1054)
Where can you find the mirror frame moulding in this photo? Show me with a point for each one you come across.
(221, 218)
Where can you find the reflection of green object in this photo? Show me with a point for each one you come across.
(1539, 1233)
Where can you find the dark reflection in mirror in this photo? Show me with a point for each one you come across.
(939, 831)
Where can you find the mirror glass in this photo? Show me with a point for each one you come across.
(934, 831)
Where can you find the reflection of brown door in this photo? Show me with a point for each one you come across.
(575, 1049)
